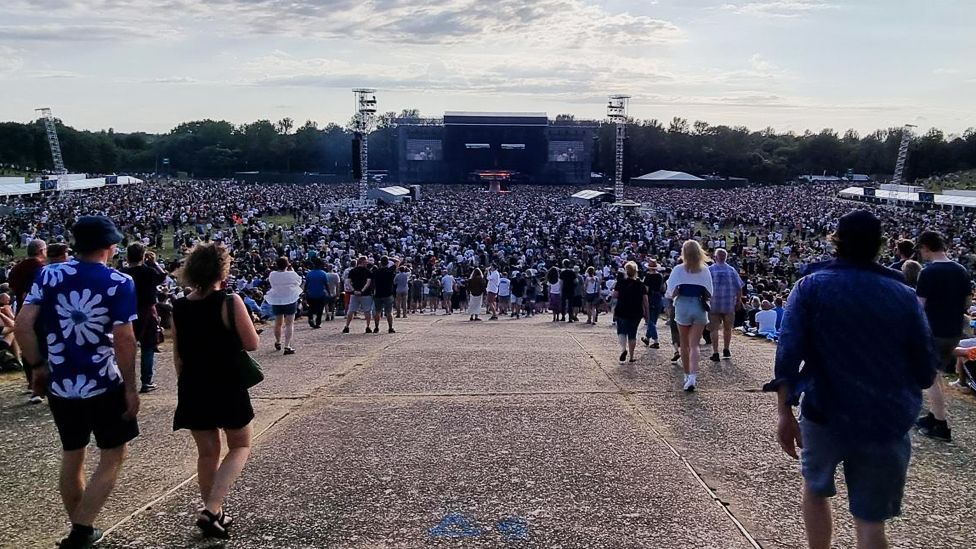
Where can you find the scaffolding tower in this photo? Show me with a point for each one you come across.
(617, 113)
(364, 120)
(906, 139)
(52, 140)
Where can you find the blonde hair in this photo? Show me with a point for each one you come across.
(911, 269)
(692, 256)
(630, 268)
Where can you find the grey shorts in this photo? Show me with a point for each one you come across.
(383, 305)
(874, 472)
(689, 311)
(361, 304)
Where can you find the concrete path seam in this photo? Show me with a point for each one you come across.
(627, 396)
(360, 362)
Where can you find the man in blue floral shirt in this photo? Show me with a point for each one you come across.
(86, 310)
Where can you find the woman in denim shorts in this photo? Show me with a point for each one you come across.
(690, 284)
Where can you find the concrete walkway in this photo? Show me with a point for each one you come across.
(494, 434)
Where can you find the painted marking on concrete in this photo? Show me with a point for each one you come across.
(513, 529)
(455, 525)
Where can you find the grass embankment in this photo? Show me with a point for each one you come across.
(961, 181)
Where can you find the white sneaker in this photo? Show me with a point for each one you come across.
(35, 400)
(690, 382)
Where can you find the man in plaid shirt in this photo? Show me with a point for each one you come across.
(726, 299)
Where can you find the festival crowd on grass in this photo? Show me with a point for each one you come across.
(216, 262)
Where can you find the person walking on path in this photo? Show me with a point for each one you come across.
(494, 279)
(477, 285)
(21, 277)
(332, 294)
(360, 281)
(944, 290)
(568, 291)
(591, 295)
(632, 306)
(726, 299)
(286, 288)
(447, 288)
(316, 292)
(402, 284)
(89, 373)
(384, 277)
(690, 284)
(147, 276)
(654, 282)
(210, 329)
(555, 293)
(861, 382)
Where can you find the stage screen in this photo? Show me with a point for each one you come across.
(424, 149)
(565, 151)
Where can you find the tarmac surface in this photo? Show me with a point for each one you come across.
(515, 433)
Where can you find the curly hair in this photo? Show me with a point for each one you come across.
(205, 265)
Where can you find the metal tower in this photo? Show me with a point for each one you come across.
(365, 118)
(52, 140)
(906, 139)
(617, 113)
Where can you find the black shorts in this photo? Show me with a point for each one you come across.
(78, 418)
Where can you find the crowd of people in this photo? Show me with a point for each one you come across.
(205, 257)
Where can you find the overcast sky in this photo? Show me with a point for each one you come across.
(790, 64)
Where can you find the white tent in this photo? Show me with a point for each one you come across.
(667, 175)
(589, 198)
(390, 195)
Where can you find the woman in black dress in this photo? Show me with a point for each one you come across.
(210, 328)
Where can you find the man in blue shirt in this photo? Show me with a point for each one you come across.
(316, 289)
(866, 354)
(86, 309)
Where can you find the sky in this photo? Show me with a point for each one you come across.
(793, 65)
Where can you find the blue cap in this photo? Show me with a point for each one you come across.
(95, 232)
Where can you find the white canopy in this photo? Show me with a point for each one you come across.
(668, 175)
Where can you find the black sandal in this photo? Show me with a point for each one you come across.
(225, 520)
(210, 525)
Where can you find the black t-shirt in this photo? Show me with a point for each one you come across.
(653, 281)
(146, 279)
(518, 287)
(359, 276)
(630, 299)
(383, 281)
(568, 276)
(945, 286)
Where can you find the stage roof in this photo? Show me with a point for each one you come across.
(668, 175)
(460, 118)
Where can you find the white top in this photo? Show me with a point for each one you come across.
(448, 283)
(680, 276)
(504, 287)
(766, 321)
(556, 288)
(286, 287)
(493, 280)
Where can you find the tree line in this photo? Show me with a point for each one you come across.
(217, 148)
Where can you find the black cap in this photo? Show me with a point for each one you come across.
(859, 225)
(95, 232)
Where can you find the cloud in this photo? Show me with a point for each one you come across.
(572, 23)
(170, 80)
(56, 32)
(542, 74)
(10, 60)
(778, 8)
